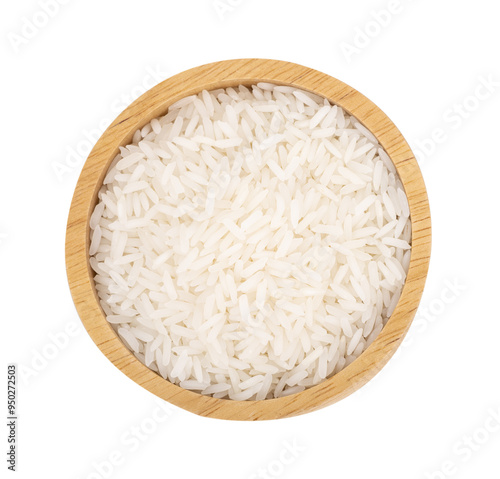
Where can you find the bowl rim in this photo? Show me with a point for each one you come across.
(154, 103)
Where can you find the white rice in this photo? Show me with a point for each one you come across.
(251, 242)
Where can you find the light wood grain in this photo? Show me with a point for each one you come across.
(154, 103)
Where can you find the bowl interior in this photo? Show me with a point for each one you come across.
(155, 103)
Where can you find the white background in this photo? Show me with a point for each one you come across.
(74, 75)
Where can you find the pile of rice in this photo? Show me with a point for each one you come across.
(251, 242)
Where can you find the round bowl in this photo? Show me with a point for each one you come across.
(154, 103)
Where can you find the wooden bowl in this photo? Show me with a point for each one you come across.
(154, 103)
